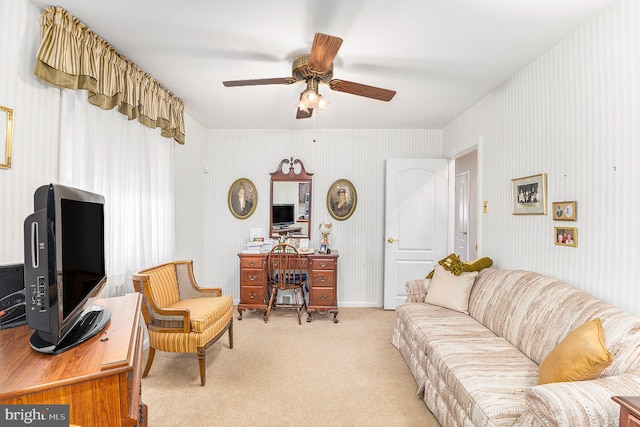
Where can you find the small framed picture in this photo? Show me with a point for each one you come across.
(564, 236)
(564, 211)
(529, 195)
(341, 199)
(323, 248)
(242, 198)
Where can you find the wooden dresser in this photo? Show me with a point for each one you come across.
(629, 410)
(322, 271)
(100, 379)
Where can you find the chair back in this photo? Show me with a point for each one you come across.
(163, 285)
(284, 267)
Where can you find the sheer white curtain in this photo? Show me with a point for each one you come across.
(132, 166)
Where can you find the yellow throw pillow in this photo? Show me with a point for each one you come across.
(454, 264)
(582, 355)
(450, 291)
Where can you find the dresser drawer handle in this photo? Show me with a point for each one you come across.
(322, 297)
(252, 278)
(322, 278)
(252, 263)
(323, 264)
(252, 296)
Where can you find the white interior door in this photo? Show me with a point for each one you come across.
(461, 224)
(415, 222)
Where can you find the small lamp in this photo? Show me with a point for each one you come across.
(325, 229)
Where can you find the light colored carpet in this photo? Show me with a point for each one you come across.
(280, 373)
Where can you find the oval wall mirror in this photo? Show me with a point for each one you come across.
(290, 213)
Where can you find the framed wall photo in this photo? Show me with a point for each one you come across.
(243, 198)
(341, 199)
(566, 236)
(529, 195)
(6, 135)
(564, 211)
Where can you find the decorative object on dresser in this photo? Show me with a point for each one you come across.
(6, 135)
(529, 195)
(284, 273)
(181, 316)
(342, 199)
(290, 204)
(322, 277)
(99, 379)
(325, 229)
(242, 198)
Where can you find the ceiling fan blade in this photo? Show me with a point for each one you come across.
(301, 114)
(259, 82)
(324, 49)
(362, 90)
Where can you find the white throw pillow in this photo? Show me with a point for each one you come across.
(450, 291)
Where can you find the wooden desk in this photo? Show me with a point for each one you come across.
(322, 272)
(629, 410)
(99, 379)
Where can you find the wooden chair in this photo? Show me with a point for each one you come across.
(181, 316)
(285, 272)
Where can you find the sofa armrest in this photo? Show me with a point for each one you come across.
(417, 289)
(582, 403)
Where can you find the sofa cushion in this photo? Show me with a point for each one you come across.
(450, 291)
(582, 355)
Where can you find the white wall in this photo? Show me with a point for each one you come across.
(36, 109)
(573, 114)
(356, 155)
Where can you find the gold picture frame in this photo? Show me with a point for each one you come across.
(342, 199)
(242, 198)
(564, 211)
(529, 195)
(565, 236)
(7, 136)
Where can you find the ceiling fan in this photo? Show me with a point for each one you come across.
(315, 68)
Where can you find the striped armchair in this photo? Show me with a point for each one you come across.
(181, 316)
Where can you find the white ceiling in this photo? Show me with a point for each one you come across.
(441, 56)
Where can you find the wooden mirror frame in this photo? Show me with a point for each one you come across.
(290, 170)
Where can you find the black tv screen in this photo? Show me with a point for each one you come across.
(64, 267)
(82, 251)
(283, 215)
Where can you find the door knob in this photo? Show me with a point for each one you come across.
(392, 240)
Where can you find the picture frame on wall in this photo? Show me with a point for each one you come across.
(242, 198)
(564, 211)
(342, 199)
(529, 195)
(6, 136)
(566, 236)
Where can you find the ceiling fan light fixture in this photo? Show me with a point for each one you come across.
(322, 102)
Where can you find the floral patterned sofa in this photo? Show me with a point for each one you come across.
(484, 368)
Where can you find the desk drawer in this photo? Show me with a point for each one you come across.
(322, 278)
(323, 264)
(251, 277)
(252, 295)
(252, 262)
(323, 297)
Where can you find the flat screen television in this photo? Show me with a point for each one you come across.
(64, 267)
(283, 215)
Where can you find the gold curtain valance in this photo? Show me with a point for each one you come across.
(74, 57)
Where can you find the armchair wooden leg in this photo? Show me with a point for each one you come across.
(231, 334)
(152, 353)
(201, 363)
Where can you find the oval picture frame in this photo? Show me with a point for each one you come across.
(342, 209)
(237, 208)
